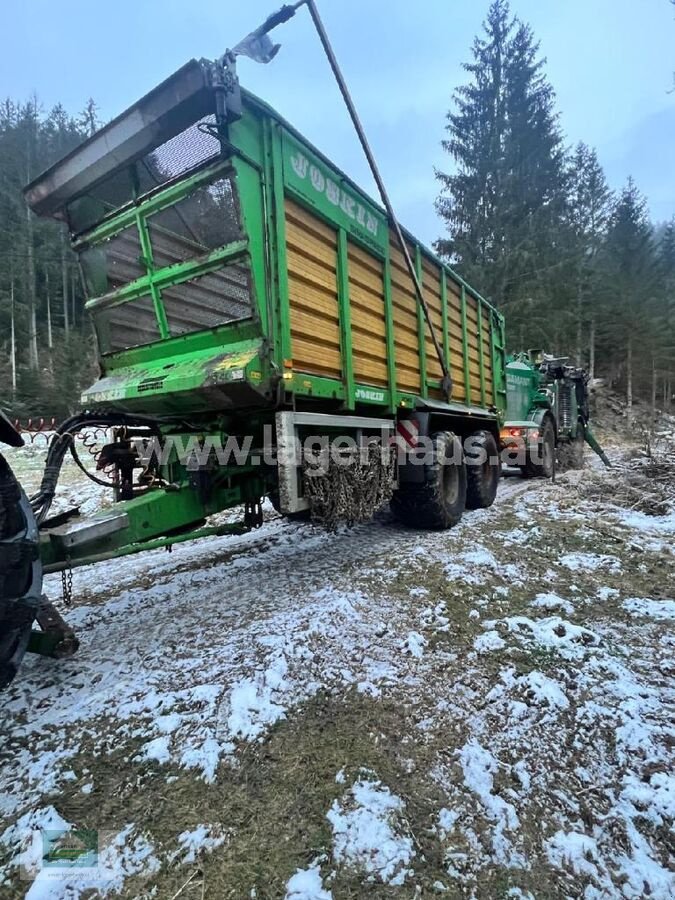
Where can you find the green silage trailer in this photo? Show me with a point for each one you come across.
(246, 294)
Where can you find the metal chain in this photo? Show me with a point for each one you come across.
(67, 585)
(348, 488)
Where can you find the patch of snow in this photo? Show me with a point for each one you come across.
(24, 837)
(638, 521)
(574, 850)
(252, 708)
(544, 690)
(436, 618)
(446, 821)
(534, 691)
(366, 833)
(477, 566)
(605, 593)
(414, 644)
(479, 767)
(202, 839)
(306, 884)
(157, 750)
(552, 601)
(651, 609)
(554, 633)
(120, 857)
(522, 773)
(590, 562)
(488, 641)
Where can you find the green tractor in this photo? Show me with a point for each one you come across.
(547, 415)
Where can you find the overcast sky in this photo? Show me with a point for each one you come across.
(611, 63)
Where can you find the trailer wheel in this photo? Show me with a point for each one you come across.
(541, 463)
(439, 501)
(483, 470)
(20, 574)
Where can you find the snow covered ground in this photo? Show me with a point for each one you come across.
(483, 712)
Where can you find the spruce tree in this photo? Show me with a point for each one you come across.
(631, 279)
(589, 209)
(503, 204)
(666, 318)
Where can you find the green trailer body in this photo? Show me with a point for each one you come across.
(234, 272)
(216, 278)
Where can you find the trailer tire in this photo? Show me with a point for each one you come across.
(542, 464)
(20, 574)
(440, 499)
(482, 478)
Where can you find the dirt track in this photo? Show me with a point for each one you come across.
(493, 705)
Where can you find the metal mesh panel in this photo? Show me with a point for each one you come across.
(205, 220)
(181, 153)
(113, 193)
(113, 263)
(127, 325)
(214, 299)
(178, 155)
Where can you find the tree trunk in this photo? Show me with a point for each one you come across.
(64, 283)
(50, 336)
(580, 308)
(629, 377)
(73, 317)
(13, 337)
(653, 388)
(33, 357)
(591, 351)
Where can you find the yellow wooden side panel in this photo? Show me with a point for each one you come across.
(455, 342)
(404, 307)
(487, 356)
(369, 330)
(311, 250)
(456, 349)
(431, 287)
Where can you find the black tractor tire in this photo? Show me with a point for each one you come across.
(20, 573)
(439, 500)
(16, 623)
(11, 517)
(482, 477)
(542, 463)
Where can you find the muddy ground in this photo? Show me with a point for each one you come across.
(486, 712)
